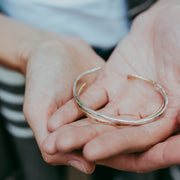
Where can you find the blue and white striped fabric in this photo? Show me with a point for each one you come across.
(12, 85)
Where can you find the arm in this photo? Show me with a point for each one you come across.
(17, 40)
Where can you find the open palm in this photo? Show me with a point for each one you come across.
(150, 50)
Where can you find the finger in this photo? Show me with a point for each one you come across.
(131, 139)
(94, 97)
(160, 156)
(73, 136)
(73, 159)
(79, 136)
(49, 144)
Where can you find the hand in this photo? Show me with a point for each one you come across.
(150, 50)
(51, 70)
(50, 63)
(161, 155)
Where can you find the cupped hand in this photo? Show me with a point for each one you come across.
(161, 155)
(51, 69)
(150, 50)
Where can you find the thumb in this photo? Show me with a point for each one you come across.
(94, 97)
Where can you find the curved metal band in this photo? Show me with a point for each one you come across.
(115, 121)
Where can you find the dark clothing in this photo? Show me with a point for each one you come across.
(137, 6)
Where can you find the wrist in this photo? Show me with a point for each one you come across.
(17, 45)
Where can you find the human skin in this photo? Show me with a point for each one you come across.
(151, 50)
(50, 62)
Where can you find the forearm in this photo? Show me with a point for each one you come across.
(17, 40)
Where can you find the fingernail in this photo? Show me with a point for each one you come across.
(78, 165)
